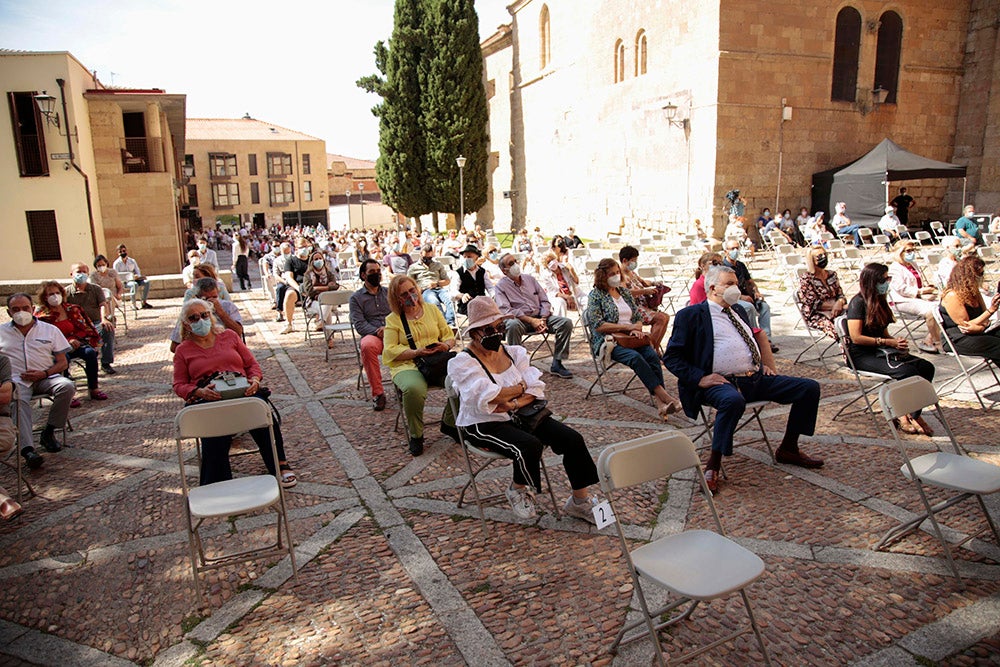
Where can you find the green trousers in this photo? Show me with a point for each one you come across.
(414, 388)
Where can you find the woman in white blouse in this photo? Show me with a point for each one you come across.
(493, 380)
(912, 295)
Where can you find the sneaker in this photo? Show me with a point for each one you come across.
(560, 370)
(521, 502)
(32, 458)
(48, 441)
(712, 481)
(584, 510)
(378, 403)
(416, 446)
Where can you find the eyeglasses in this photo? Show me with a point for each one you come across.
(194, 317)
(492, 330)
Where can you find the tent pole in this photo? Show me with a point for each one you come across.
(886, 189)
(965, 180)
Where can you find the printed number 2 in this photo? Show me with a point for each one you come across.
(603, 515)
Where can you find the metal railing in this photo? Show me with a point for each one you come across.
(142, 155)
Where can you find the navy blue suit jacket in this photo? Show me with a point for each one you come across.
(691, 352)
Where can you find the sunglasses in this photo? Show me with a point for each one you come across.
(194, 317)
(492, 330)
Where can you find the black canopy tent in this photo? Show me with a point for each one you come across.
(864, 183)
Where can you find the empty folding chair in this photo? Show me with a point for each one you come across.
(336, 300)
(923, 238)
(952, 471)
(489, 458)
(937, 228)
(694, 566)
(233, 497)
(967, 365)
(989, 239)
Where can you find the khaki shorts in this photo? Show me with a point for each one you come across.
(7, 434)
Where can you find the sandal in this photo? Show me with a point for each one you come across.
(908, 427)
(288, 478)
(9, 509)
(924, 426)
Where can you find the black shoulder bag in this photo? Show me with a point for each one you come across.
(527, 417)
(434, 367)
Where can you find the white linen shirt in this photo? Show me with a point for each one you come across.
(476, 391)
(32, 351)
(731, 355)
(129, 265)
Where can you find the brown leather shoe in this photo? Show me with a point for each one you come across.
(797, 459)
(712, 481)
(378, 403)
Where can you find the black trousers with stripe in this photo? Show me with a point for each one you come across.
(525, 450)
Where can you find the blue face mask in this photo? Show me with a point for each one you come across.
(469, 263)
(79, 277)
(883, 287)
(734, 254)
(318, 263)
(494, 256)
(201, 327)
(631, 266)
(909, 256)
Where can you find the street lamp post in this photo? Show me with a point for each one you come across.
(460, 160)
(348, 194)
(361, 193)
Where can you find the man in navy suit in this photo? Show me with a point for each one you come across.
(719, 360)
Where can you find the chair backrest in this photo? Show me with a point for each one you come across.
(922, 236)
(335, 298)
(986, 252)
(645, 459)
(905, 396)
(794, 259)
(880, 239)
(835, 245)
(595, 245)
(446, 260)
(219, 418)
(826, 236)
(590, 265)
(865, 233)
(648, 272)
(668, 260)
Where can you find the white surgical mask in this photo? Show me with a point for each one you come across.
(202, 246)
(514, 271)
(734, 254)
(632, 266)
(79, 277)
(731, 295)
(54, 299)
(102, 269)
(22, 318)
(615, 281)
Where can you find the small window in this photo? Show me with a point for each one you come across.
(222, 165)
(252, 159)
(619, 61)
(307, 191)
(193, 195)
(306, 166)
(887, 54)
(44, 236)
(491, 89)
(640, 53)
(847, 43)
(29, 134)
(279, 164)
(544, 38)
(225, 195)
(254, 193)
(281, 192)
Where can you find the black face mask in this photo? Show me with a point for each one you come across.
(123, 254)
(491, 341)
(373, 279)
(822, 262)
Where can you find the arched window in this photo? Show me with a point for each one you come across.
(619, 61)
(544, 38)
(640, 53)
(887, 54)
(847, 43)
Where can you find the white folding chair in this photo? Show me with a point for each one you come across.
(921, 237)
(968, 366)
(489, 459)
(951, 471)
(233, 497)
(15, 452)
(694, 565)
(335, 301)
(859, 375)
(937, 228)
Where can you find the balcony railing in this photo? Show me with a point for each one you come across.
(142, 155)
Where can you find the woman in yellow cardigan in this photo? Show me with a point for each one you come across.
(430, 334)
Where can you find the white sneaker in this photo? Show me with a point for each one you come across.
(521, 502)
(583, 510)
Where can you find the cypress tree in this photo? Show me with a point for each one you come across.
(400, 169)
(454, 106)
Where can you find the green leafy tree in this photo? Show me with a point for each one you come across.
(433, 108)
(454, 106)
(400, 170)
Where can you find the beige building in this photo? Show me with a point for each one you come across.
(85, 168)
(265, 174)
(629, 113)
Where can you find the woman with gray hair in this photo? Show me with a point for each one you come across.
(207, 350)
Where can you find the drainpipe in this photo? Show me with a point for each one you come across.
(72, 161)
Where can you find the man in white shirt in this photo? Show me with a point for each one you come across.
(125, 264)
(890, 225)
(719, 360)
(37, 353)
(206, 255)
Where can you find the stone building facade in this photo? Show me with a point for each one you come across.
(628, 113)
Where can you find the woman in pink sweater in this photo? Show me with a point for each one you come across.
(208, 348)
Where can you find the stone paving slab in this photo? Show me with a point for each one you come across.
(391, 572)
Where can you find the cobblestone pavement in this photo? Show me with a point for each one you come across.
(392, 572)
